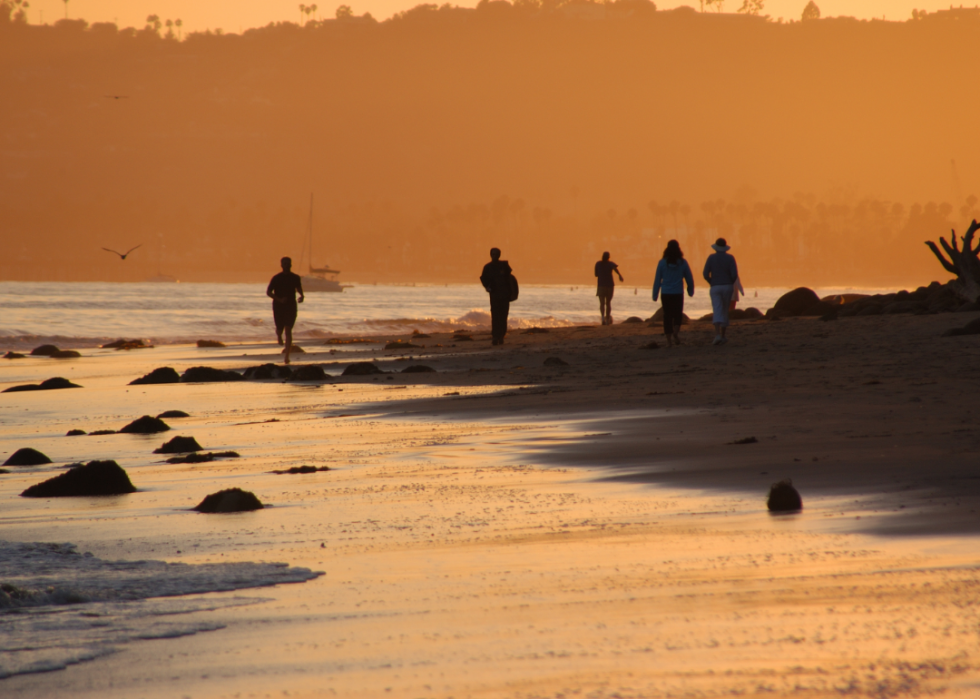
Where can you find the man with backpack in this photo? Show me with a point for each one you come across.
(502, 287)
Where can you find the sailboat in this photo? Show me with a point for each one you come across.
(319, 278)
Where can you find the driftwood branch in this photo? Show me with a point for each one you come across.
(962, 262)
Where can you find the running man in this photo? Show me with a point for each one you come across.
(282, 290)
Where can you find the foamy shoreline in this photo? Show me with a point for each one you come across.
(584, 529)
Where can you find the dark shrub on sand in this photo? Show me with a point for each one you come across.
(146, 425)
(44, 350)
(172, 413)
(362, 369)
(48, 385)
(164, 374)
(268, 371)
(205, 374)
(418, 369)
(27, 457)
(94, 478)
(74, 433)
(309, 372)
(555, 361)
(783, 497)
(230, 500)
(179, 445)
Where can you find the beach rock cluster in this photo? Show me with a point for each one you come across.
(935, 298)
(309, 372)
(783, 497)
(399, 345)
(93, 478)
(268, 371)
(418, 369)
(201, 458)
(172, 414)
(164, 374)
(74, 433)
(123, 344)
(53, 352)
(27, 457)
(48, 385)
(301, 469)
(230, 500)
(210, 343)
(14, 355)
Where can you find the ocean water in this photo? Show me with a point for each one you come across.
(88, 313)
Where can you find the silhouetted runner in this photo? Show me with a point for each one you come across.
(282, 290)
(672, 272)
(721, 271)
(604, 269)
(496, 280)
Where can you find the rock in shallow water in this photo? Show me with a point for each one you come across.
(164, 374)
(94, 478)
(206, 374)
(47, 385)
(27, 457)
(362, 369)
(172, 414)
(44, 350)
(783, 497)
(230, 500)
(146, 425)
(179, 445)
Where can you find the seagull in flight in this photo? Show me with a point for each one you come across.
(116, 97)
(122, 256)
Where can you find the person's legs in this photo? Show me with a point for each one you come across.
(499, 309)
(672, 303)
(602, 309)
(289, 342)
(721, 298)
(278, 320)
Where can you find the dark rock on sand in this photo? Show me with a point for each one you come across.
(75, 433)
(27, 457)
(164, 374)
(796, 302)
(146, 425)
(535, 331)
(309, 372)
(44, 350)
(122, 343)
(210, 343)
(99, 433)
(633, 319)
(94, 478)
(172, 413)
(14, 355)
(658, 317)
(362, 369)
(783, 497)
(462, 338)
(268, 371)
(47, 385)
(398, 344)
(206, 374)
(65, 354)
(744, 314)
(199, 458)
(745, 440)
(179, 445)
(230, 500)
(302, 469)
(418, 369)
(971, 328)
(555, 361)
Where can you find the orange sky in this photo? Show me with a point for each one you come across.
(234, 15)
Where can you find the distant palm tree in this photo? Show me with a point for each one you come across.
(178, 23)
(66, 8)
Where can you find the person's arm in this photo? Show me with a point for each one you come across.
(658, 279)
(689, 278)
(268, 290)
(597, 269)
(299, 288)
(707, 270)
(735, 269)
(618, 273)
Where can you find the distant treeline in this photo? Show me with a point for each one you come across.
(611, 127)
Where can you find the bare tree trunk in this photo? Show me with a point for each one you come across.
(963, 262)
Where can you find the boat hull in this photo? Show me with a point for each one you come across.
(313, 283)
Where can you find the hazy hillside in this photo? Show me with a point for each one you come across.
(822, 149)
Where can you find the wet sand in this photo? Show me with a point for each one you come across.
(580, 530)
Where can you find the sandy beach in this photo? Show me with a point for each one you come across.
(504, 527)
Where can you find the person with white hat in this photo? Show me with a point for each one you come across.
(721, 272)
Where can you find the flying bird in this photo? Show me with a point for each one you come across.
(122, 256)
(116, 97)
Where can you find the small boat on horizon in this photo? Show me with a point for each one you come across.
(319, 278)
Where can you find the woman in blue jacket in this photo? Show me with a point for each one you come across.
(672, 272)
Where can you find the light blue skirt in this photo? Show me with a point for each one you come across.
(721, 301)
